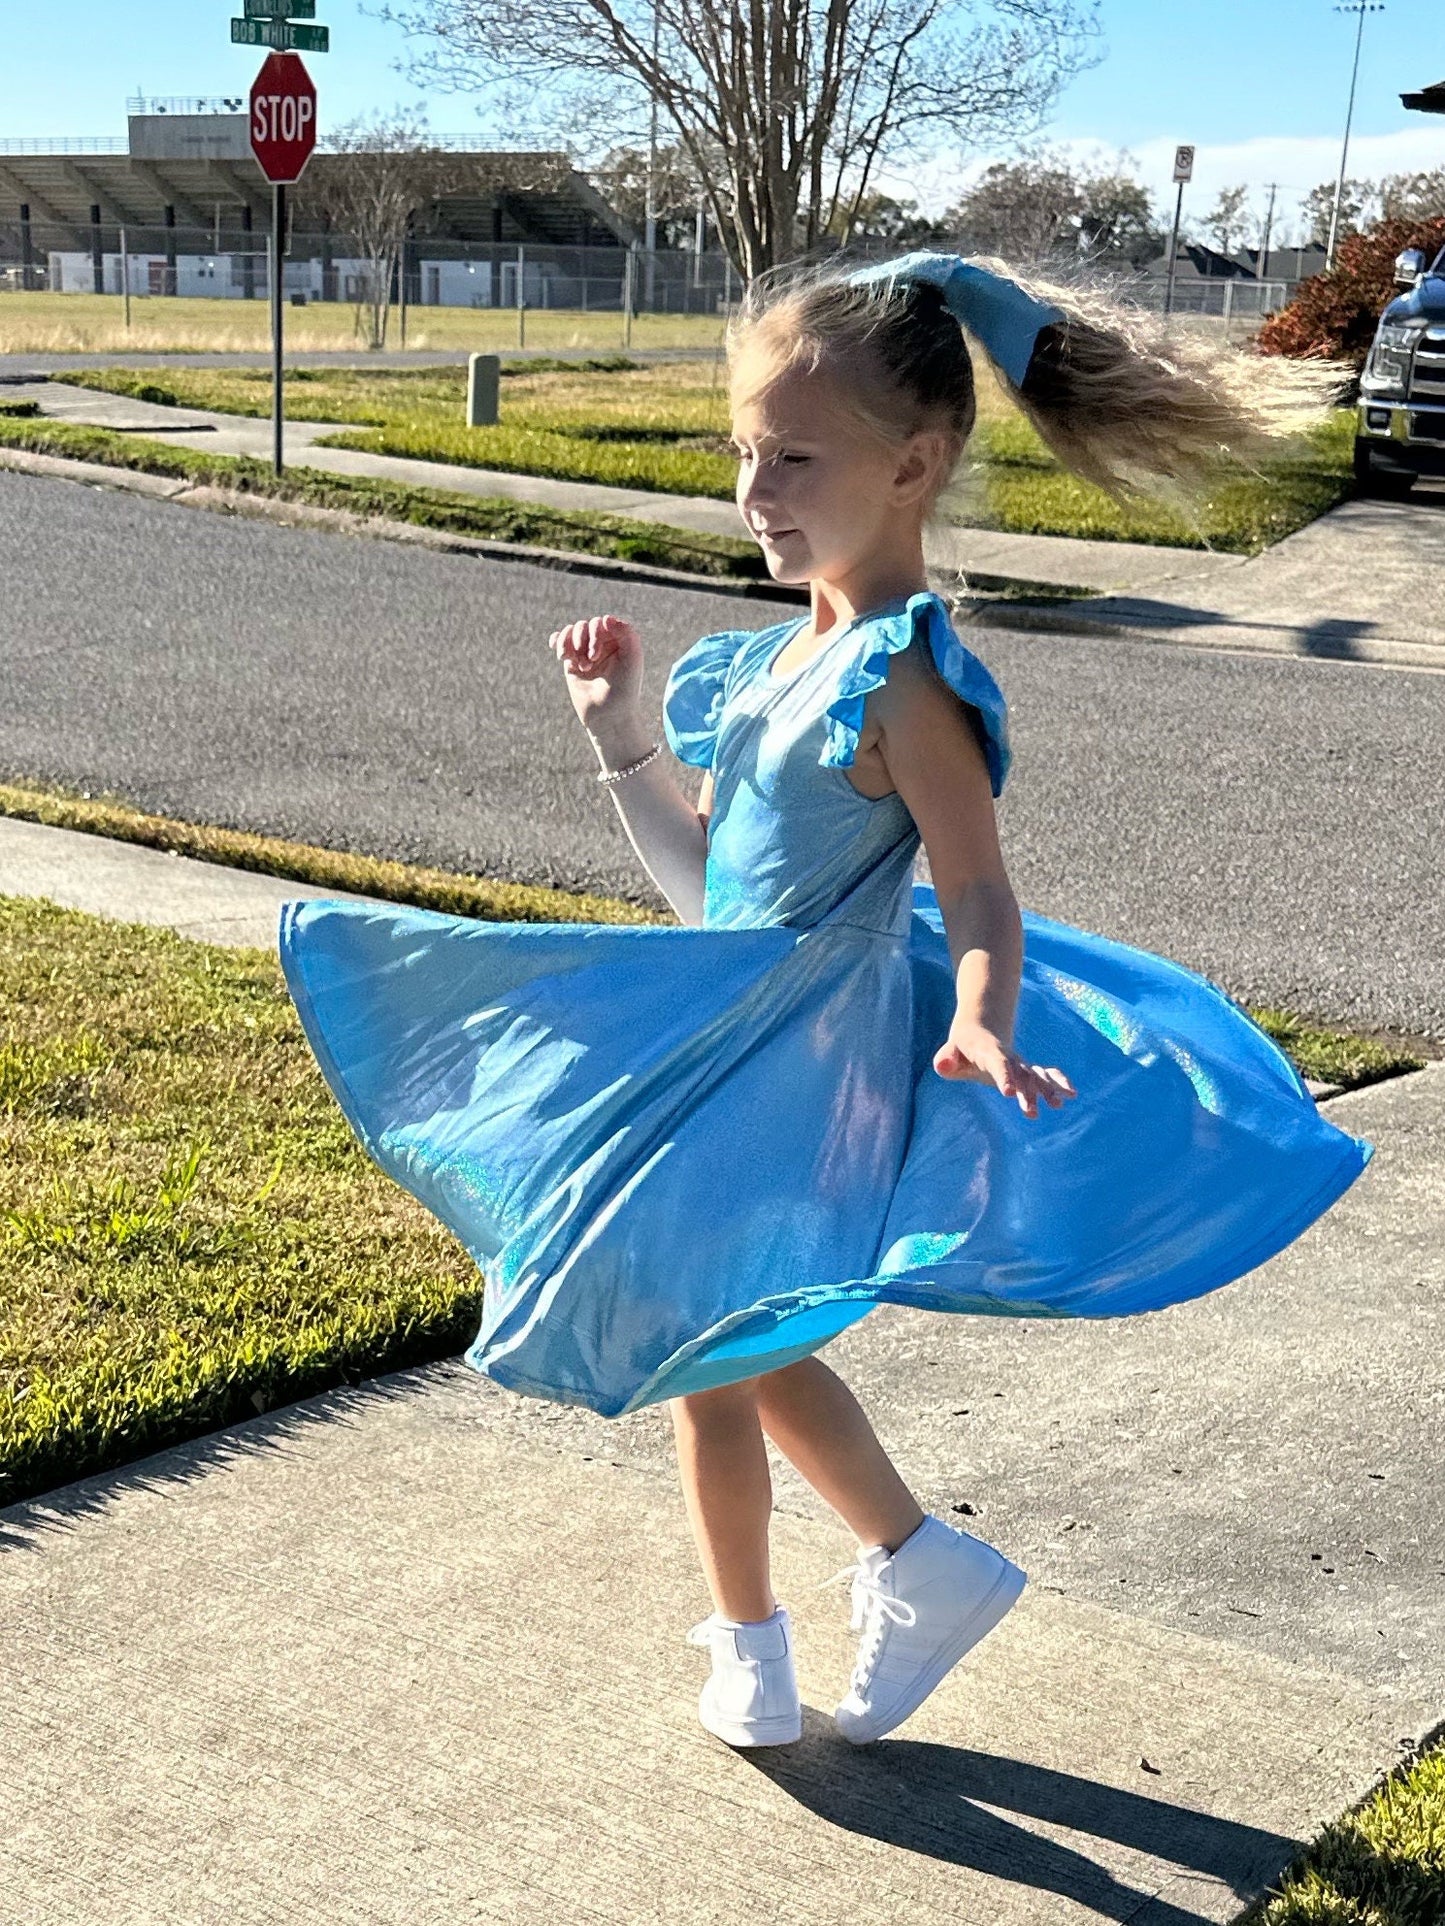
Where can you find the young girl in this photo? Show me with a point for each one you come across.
(686, 1158)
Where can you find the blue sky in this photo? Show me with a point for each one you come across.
(1258, 85)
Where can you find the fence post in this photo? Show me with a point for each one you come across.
(248, 259)
(27, 249)
(125, 275)
(97, 257)
(627, 296)
(521, 295)
(172, 277)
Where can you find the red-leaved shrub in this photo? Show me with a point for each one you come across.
(1335, 313)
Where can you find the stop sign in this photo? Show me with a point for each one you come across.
(283, 117)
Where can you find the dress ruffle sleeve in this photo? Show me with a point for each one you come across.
(693, 700)
(866, 669)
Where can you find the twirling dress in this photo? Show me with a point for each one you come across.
(682, 1156)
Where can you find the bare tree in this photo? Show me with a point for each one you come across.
(784, 107)
(1228, 217)
(386, 169)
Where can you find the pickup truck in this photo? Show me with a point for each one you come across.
(1401, 431)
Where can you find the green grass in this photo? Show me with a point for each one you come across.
(191, 1232)
(664, 427)
(1381, 1865)
(1028, 493)
(491, 517)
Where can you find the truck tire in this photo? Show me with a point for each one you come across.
(1372, 477)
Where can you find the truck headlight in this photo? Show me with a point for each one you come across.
(1389, 366)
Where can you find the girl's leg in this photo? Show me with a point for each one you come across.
(729, 1495)
(819, 1426)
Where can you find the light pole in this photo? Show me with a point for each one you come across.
(1360, 7)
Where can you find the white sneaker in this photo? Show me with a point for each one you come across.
(752, 1695)
(919, 1611)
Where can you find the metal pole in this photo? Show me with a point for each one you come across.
(1268, 233)
(125, 275)
(1174, 251)
(651, 220)
(1360, 7)
(278, 378)
(521, 295)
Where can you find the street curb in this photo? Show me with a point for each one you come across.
(227, 501)
(1228, 638)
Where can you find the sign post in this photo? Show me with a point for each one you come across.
(283, 138)
(1183, 171)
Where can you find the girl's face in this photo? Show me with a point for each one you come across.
(820, 496)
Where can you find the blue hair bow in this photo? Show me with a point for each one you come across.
(1005, 317)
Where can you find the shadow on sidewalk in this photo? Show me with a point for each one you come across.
(25, 1524)
(944, 1802)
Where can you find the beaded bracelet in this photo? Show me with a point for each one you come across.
(616, 775)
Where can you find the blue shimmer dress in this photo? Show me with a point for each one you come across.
(685, 1155)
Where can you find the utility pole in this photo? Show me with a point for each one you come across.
(1273, 187)
(1360, 8)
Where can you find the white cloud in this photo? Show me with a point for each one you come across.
(1297, 163)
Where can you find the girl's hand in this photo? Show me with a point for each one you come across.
(602, 657)
(977, 1055)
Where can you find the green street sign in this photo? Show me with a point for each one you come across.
(281, 35)
(279, 9)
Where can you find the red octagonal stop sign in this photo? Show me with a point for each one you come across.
(283, 117)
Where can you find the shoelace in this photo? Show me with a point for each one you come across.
(873, 1609)
(703, 1634)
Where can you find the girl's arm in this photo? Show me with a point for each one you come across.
(937, 766)
(603, 661)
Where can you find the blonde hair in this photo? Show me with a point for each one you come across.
(1122, 398)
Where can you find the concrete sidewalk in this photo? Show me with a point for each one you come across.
(414, 1652)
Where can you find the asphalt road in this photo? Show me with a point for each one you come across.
(1273, 823)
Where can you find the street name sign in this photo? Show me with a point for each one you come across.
(279, 9)
(283, 118)
(280, 35)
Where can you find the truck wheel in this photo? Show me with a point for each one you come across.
(1373, 478)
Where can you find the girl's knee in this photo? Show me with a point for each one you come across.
(725, 1403)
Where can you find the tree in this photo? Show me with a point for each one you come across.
(1413, 197)
(1317, 207)
(1044, 208)
(621, 178)
(1335, 313)
(387, 169)
(897, 223)
(1117, 222)
(1227, 219)
(786, 108)
(1027, 210)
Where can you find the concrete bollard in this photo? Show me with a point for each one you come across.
(484, 373)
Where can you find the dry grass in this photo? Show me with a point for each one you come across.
(95, 323)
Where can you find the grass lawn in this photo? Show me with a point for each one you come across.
(664, 426)
(42, 323)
